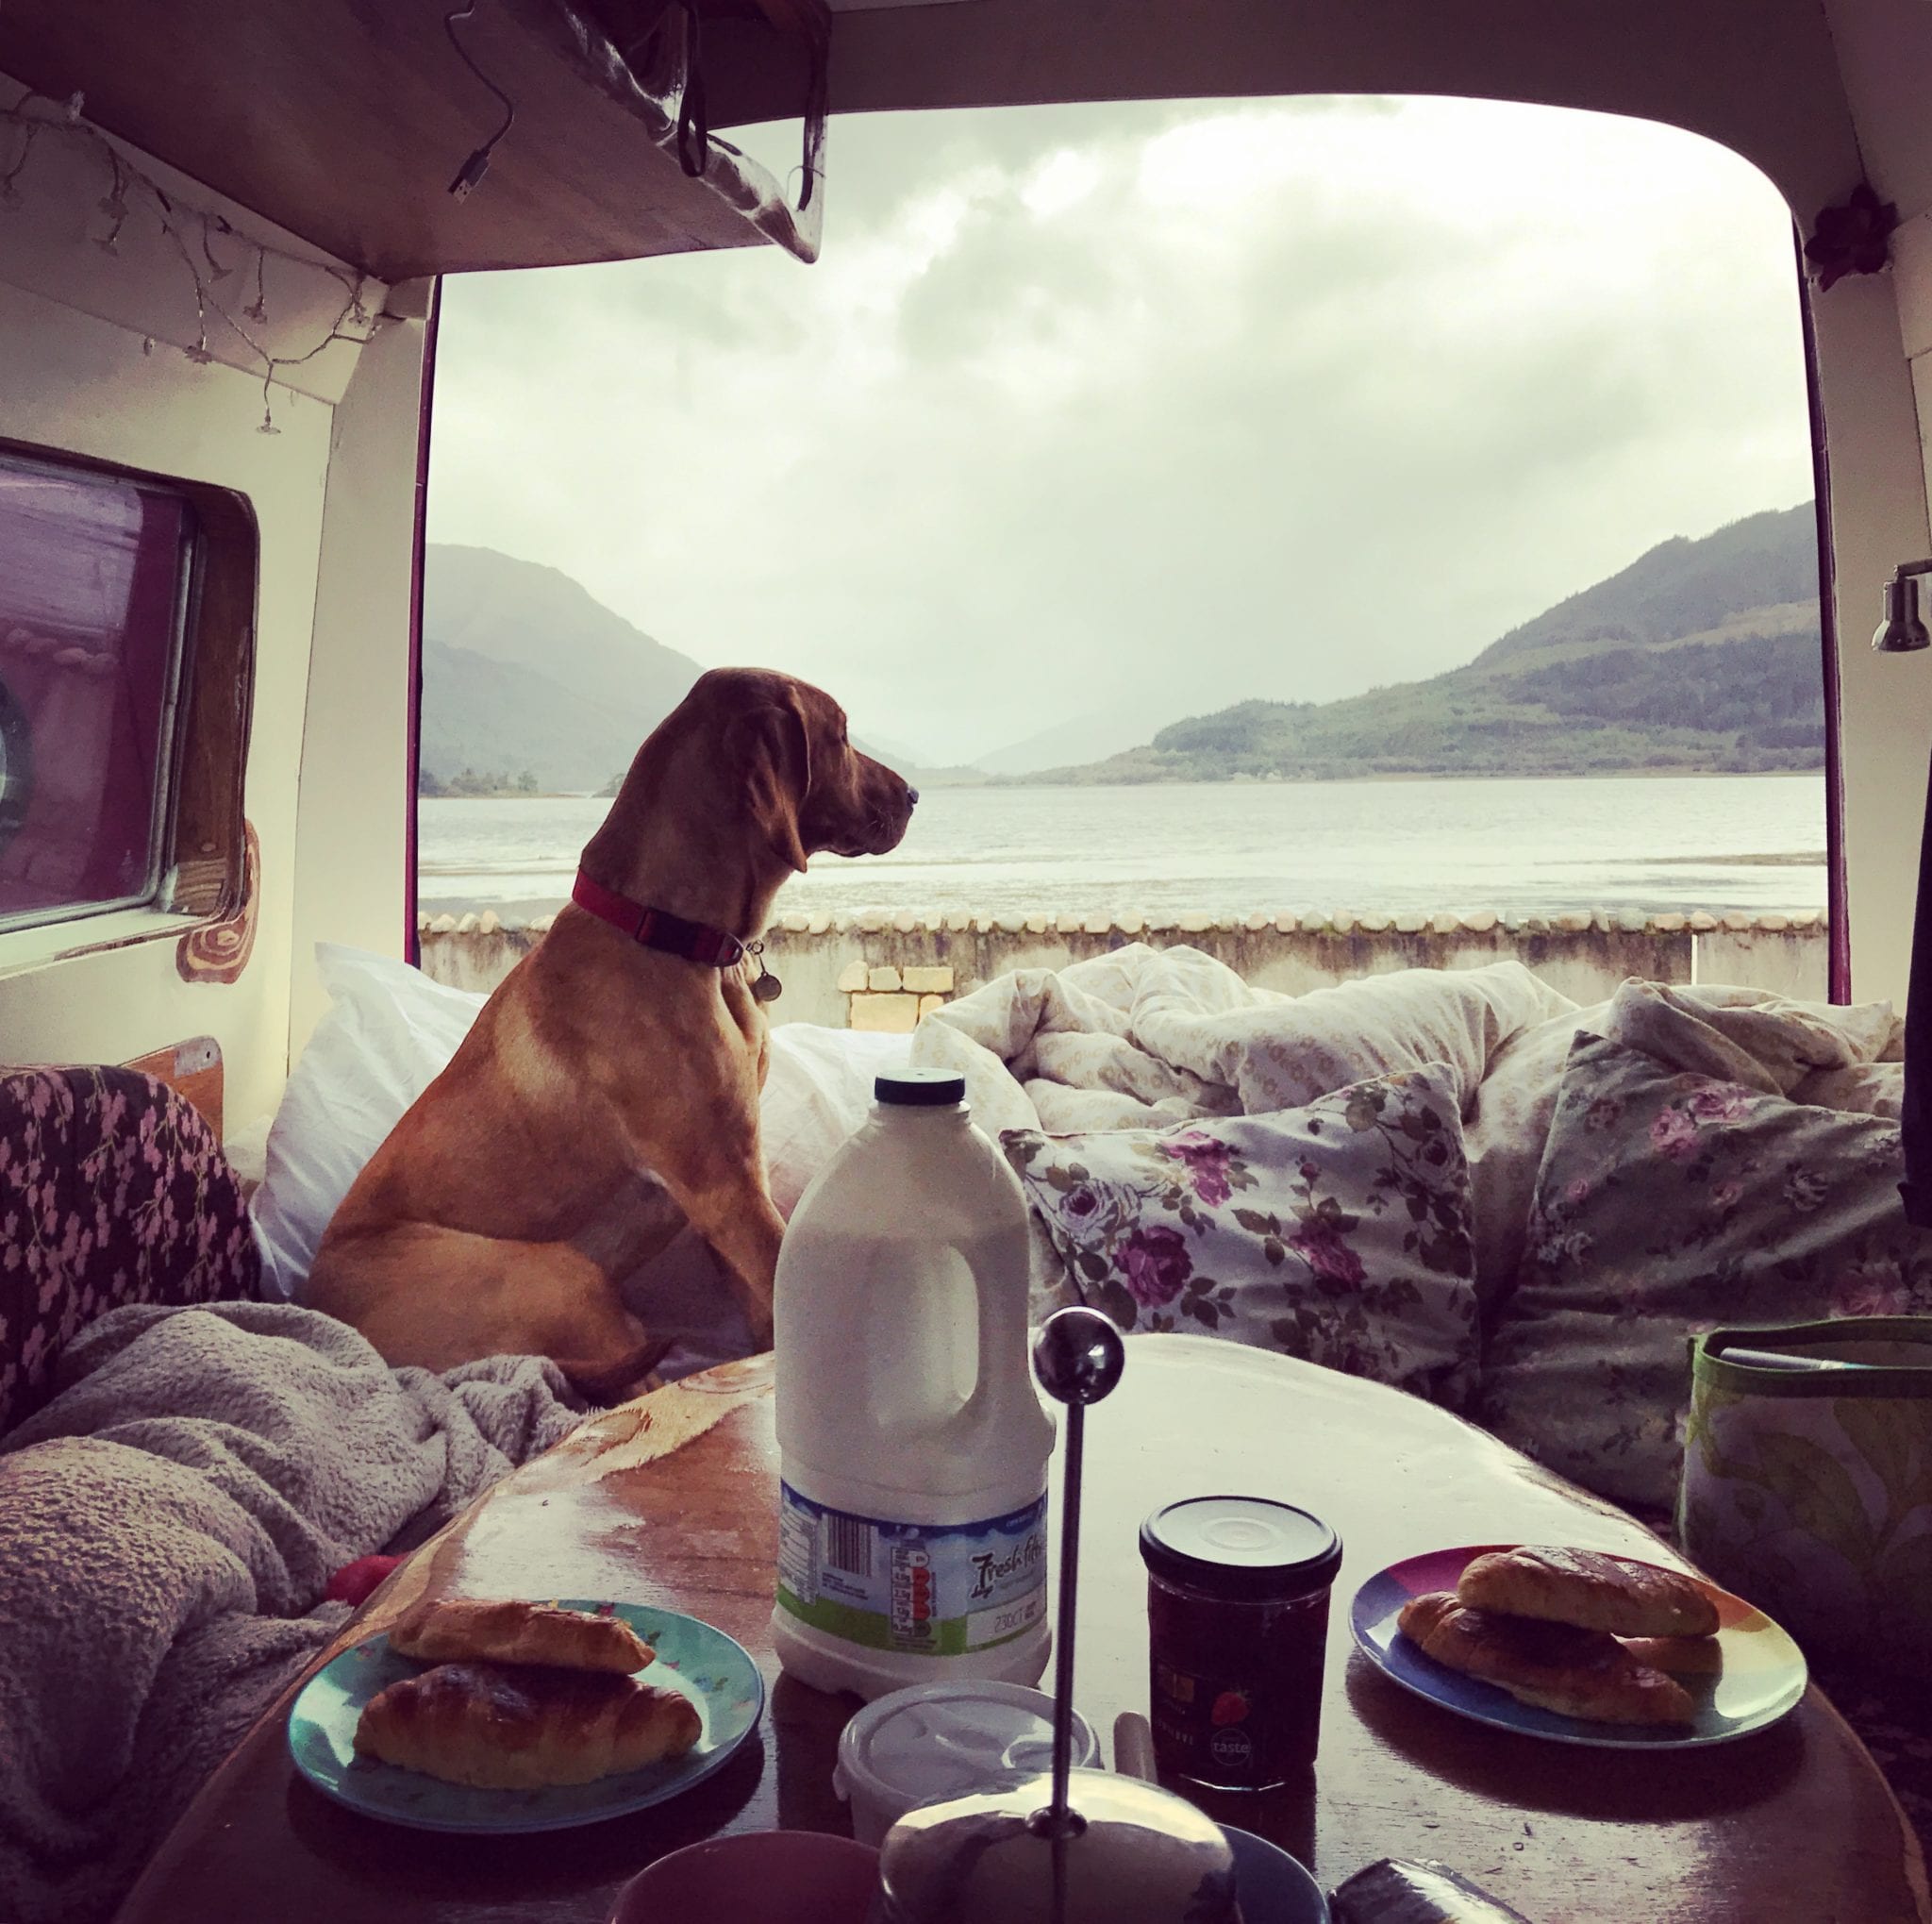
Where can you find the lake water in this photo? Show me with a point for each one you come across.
(1640, 842)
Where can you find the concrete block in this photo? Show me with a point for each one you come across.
(1668, 925)
(884, 1014)
(1570, 922)
(958, 924)
(1699, 922)
(1481, 922)
(1737, 922)
(869, 921)
(489, 922)
(1195, 924)
(1096, 925)
(853, 977)
(928, 1003)
(1444, 924)
(1774, 924)
(1375, 925)
(1258, 922)
(1410, 925)
(818, 922)
(883, 981)
(1129, 924)
(928, 979)
(1008, 925)
(443, 924)
(1069, 925)
(795, 923)
(466, 925)
(1037, 924)
(1287, 924)
(904, 921)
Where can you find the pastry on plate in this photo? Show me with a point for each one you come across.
(1588, 1588)
(503, 1726)
(1678, 1656)
(464, 1629)
(1559, 1666)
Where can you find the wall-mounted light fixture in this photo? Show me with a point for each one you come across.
(1902, 632)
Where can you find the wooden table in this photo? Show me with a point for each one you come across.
(1794, 1823)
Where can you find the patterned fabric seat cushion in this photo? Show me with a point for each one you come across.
(1669, 1204)
(1339, 1231)
(113, 1189)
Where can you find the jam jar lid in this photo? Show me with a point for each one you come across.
(1245, 1548)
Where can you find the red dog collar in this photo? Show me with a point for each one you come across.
(695, 940)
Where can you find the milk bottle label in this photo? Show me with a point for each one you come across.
(920, 1589)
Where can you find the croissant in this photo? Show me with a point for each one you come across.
(1589, 1588)
(519, 1728)
(464, 1629)
(1559, 1666)
(1678, 1656)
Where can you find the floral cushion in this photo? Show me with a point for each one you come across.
(1669, 1204)
(113, 1189)
(1339, 1231)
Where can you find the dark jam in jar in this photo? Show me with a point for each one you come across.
(1237, 1620)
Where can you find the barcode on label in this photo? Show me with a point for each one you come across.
(848, 1545)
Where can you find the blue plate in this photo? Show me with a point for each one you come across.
(1272, 1886)
(1762, 1677)
(711, 1669)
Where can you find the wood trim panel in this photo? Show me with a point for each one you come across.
(193, 1070)
(208, 842)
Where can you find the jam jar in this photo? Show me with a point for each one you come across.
(1238, 1623)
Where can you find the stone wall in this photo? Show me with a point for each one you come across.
(883, 972)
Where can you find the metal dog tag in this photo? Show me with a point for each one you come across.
(768, 988)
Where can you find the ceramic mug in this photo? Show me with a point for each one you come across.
(777, 1876)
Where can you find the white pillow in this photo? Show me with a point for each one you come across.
(389, 1033)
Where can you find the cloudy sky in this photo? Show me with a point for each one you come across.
(1131, 412)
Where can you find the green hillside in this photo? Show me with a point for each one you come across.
(1703, 656)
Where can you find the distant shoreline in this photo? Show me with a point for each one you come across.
(1020, 782)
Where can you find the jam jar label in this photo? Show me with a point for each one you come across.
(929, 1589)
(1230, 1731)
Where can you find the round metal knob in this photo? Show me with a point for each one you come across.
(1078, 1356)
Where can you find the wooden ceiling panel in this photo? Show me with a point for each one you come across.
(345, 121)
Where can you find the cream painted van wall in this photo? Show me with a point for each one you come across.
(351, 847)
(1884, 55)
(91, 362)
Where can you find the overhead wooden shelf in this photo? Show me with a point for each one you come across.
(346, 124)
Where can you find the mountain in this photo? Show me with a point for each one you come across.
(523, 671)
(1702, 656)
(1102, 731)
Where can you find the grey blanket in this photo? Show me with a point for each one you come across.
(167, 1524)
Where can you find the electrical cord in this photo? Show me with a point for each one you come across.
(473, 169)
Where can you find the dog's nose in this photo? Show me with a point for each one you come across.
(912, 794)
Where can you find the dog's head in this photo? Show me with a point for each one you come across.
(805, 785)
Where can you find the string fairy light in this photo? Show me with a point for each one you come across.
(192, 232)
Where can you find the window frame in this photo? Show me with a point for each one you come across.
(198, 862)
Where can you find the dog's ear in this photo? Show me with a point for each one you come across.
(772, 752)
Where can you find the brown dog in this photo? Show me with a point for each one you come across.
(533, 1173)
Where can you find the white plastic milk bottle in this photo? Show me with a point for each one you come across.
(913, 1524)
